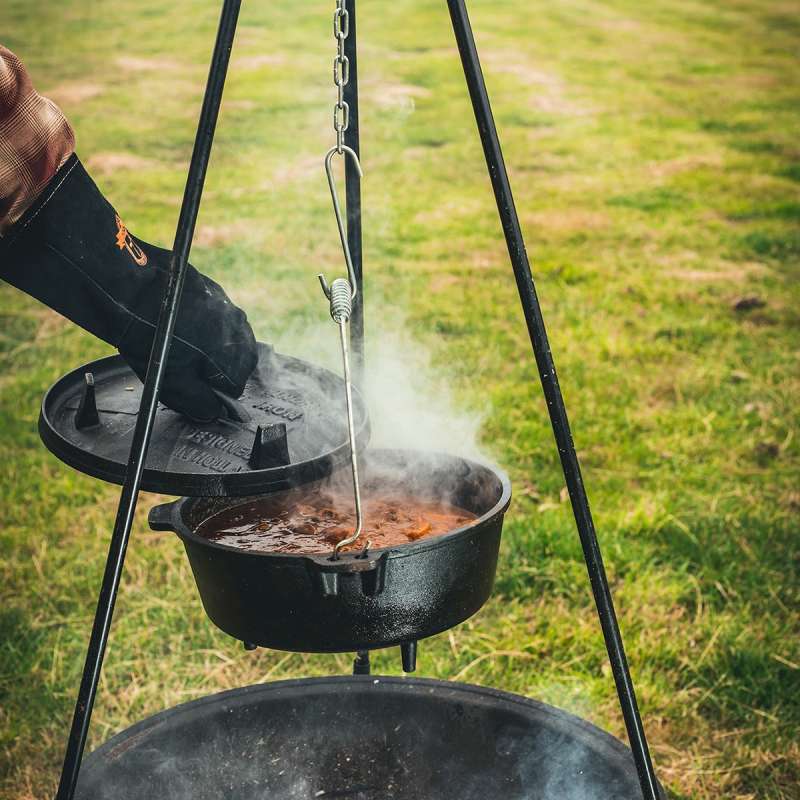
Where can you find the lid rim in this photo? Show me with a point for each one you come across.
(189, 484)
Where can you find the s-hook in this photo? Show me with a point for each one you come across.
(342, 291)
(337, 210)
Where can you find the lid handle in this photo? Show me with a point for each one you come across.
(160, 517)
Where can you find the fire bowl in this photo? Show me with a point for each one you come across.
(361, 738)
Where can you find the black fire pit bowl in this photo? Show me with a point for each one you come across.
(390, 596)
(361, 738)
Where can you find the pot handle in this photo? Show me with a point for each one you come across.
(370, 571)
(160, 517)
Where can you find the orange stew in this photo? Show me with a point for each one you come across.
(319, 521)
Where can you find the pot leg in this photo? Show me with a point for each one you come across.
(408, 652)
(361, 665)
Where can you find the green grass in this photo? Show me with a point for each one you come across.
(654, 157)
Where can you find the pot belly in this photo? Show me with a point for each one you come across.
(293, 604)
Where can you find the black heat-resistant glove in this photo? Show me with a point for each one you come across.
(72, 251)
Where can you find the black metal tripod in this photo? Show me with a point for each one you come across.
(536, 329)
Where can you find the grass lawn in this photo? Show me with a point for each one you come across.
(654, 155)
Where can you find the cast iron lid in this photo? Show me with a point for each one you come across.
(288, 428)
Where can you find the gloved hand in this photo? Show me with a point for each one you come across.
(73, 252)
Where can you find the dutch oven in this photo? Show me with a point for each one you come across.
(383, 597)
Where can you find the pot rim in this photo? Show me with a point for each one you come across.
(186, 534)
(602, 741)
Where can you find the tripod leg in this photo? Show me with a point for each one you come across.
(552, 393)
(149, 403)
(353, 196)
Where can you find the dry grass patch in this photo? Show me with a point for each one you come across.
(258, 61)
(567, 220)
(110, 163)
(72, 94)
(394, 96)
(295, 169)
(686, 163)
(443, 282)
(692, 266)
(132, 63)
(228, 233)
(548, 91)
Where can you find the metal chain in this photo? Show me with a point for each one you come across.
(341, 122)
(341, 72)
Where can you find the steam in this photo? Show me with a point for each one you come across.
(412, 413)
(410, 403)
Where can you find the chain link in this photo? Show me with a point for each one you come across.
(341, 122)
(341, 72)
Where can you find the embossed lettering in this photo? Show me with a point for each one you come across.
(201, 459)
(279, 411)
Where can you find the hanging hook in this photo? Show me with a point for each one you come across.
(337, 210)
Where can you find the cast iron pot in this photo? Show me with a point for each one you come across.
(361, 738)
(391, 596)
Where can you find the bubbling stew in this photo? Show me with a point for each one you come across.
(315, 522)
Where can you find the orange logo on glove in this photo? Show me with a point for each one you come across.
(125, 242)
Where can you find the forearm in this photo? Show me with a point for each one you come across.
(63, 243)
(35, 140)
(71, 250)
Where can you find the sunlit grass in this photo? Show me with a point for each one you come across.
(653, 152)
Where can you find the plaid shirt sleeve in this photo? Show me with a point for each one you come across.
(35, 140)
